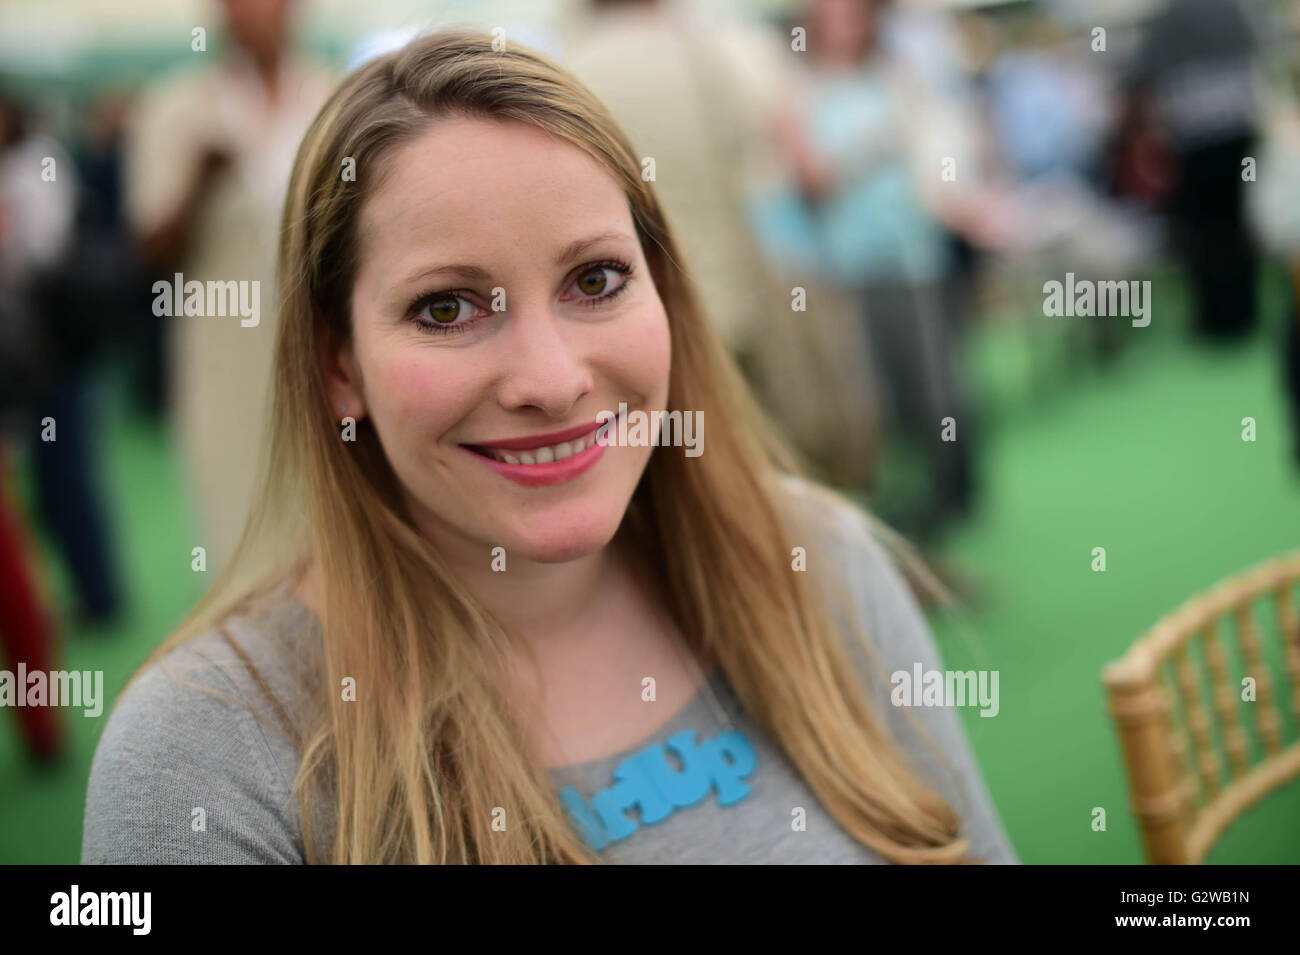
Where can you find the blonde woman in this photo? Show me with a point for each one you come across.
(472, 619)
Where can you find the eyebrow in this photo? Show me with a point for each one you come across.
(570, 252)
(575, 249)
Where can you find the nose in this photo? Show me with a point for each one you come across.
(544, 363)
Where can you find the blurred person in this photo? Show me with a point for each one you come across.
(693, 96)
(1196, 64)
(1049, 110)
(520, 685)
(207, 160)
(856, 128)
(86, 296)
(1139, 167)
(1273, 198)
(696, 95)
(930, 41)
(28, 635)
(35, 215)
(1054, 114)
(54, 264)
(114, 265)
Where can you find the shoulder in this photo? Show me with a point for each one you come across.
(193, 765)
(815, 504)
(855, 562)
(855, 559)
(848, 550)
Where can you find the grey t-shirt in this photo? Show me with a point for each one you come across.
(172, 755)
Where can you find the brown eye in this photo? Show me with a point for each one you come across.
(593, 282)
(444, 311)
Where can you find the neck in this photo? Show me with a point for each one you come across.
(548, 606)
(557, 610)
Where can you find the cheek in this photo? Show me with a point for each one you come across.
(414, 391)
(643, 352)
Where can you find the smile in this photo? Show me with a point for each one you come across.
(543, 459)
(544, 454)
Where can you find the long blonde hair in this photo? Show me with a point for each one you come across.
(413, 768)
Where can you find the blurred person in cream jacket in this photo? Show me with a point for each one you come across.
(208, 160)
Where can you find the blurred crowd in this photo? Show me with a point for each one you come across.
(855, 184)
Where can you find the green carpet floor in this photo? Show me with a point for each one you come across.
(1143, 457)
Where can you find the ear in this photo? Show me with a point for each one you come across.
(341, 373)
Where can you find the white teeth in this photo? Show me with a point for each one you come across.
(565, 449)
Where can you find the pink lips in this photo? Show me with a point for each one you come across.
(531, 441)
(554, 472)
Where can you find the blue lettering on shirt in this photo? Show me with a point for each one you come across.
(650, 783)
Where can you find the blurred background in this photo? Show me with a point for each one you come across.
(870, 195)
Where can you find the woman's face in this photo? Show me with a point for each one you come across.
(502, 301)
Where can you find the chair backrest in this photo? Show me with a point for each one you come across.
(1200, 723)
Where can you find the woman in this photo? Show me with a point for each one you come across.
(433, 646)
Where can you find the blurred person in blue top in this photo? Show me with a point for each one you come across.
(866, 138)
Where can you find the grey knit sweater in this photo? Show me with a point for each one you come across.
(182, 776)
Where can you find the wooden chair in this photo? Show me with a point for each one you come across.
(1157, 696)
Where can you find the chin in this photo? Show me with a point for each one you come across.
(557, 538)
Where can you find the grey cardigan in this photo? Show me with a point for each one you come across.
(183, 776)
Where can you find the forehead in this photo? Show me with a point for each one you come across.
(471, 186)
